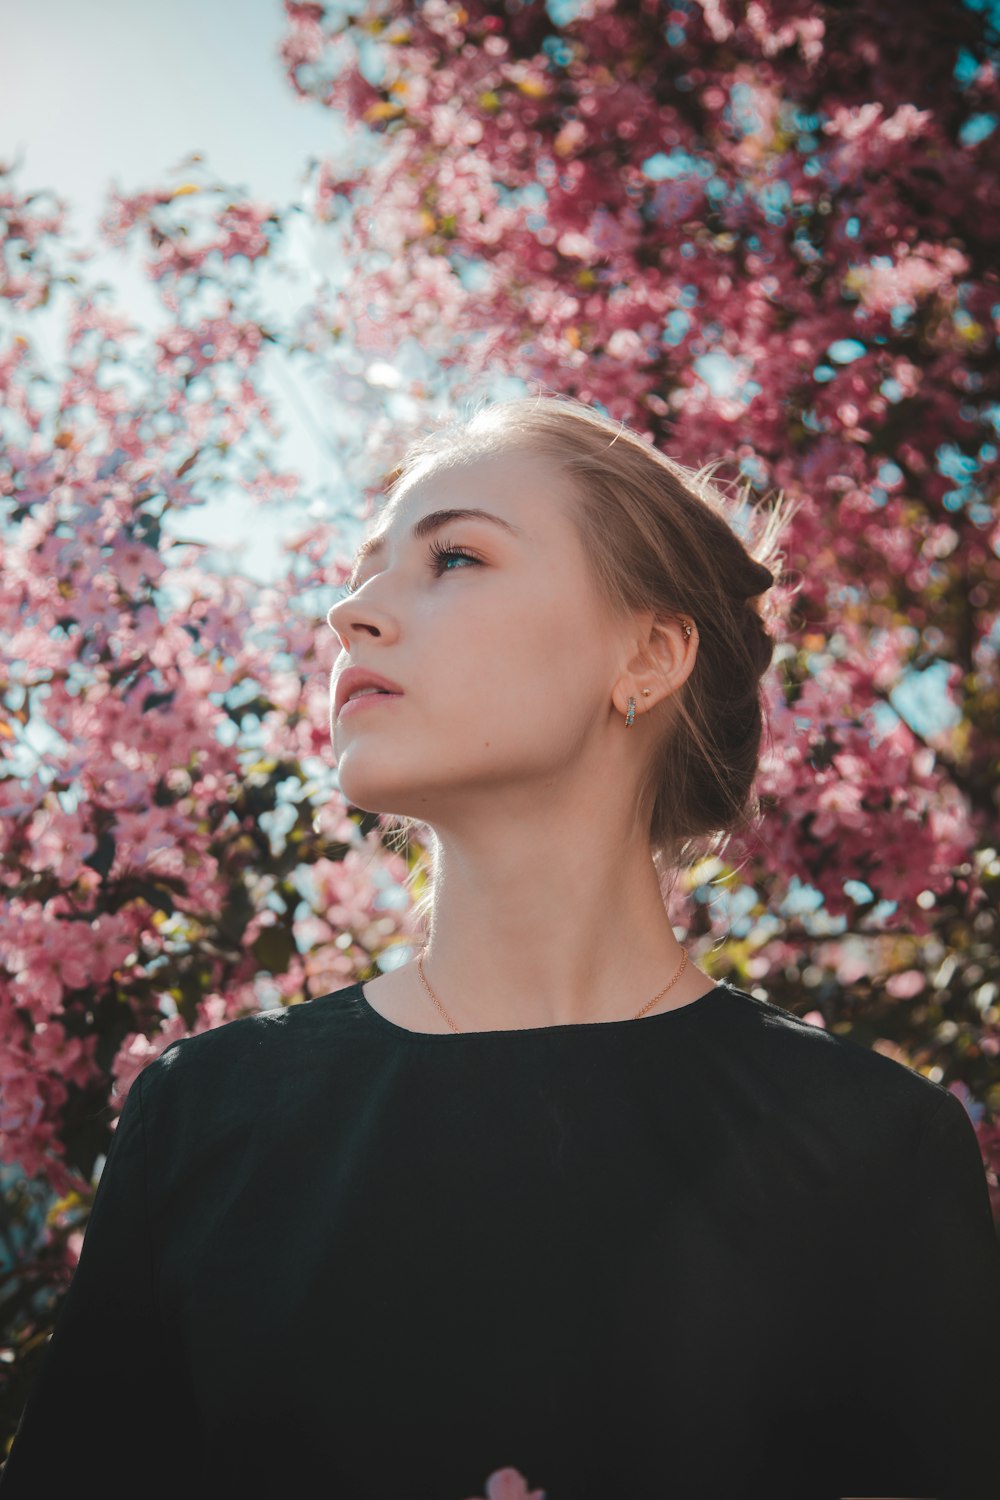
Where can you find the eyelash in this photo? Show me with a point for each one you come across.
(439, 552)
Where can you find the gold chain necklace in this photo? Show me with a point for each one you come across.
(648, 1006)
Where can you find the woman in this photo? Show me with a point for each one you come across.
(545, 1197)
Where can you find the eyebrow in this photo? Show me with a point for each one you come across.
(432, 522)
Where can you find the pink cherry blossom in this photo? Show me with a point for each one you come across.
(509, 1484)
(755, 236)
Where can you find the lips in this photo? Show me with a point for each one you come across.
(356, 678)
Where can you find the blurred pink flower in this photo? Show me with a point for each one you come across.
(508, 1484)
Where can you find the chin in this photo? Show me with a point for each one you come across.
(371, 793)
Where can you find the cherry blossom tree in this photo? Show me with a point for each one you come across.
(175, 850)
(766, 233)
(761, 233)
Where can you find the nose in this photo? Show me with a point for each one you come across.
(337, 616)
(351, 616)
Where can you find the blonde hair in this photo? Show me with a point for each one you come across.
(659, 537)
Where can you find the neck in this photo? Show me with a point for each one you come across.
(579, 938)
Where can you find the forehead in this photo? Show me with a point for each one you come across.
(511, 477)
(518, 488)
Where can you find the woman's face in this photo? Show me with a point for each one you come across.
(505, 658)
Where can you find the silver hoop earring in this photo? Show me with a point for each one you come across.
(631, 708)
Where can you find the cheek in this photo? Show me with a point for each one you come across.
(510, 660)
(538, 666)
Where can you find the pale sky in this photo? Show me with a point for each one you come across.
(102, 91)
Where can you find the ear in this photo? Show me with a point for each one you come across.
(661, 661)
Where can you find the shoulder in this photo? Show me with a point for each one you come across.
(820, 1069)
(247, 1090)
(245, 1057)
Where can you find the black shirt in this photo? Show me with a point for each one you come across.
(710, 1254)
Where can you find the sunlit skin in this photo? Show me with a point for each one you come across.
(510, 742)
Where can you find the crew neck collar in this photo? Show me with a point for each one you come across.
(699, 1006)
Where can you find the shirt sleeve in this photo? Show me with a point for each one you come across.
(106, 1403)
(933, 1370)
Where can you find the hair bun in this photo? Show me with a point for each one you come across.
(761, 578)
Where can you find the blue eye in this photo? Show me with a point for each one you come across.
(441, 552)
